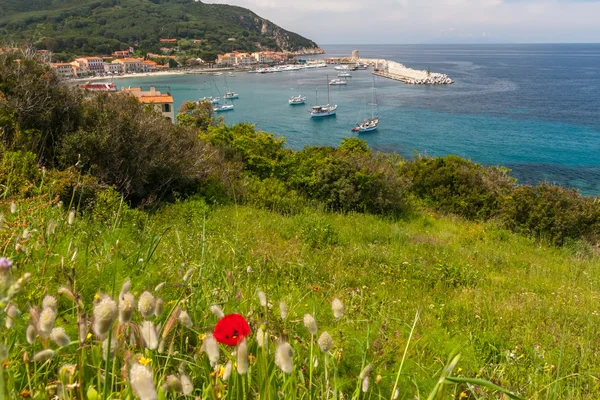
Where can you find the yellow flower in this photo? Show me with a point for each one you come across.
(221, 371)
(251, 358)
(202, 337)
(459, 369)
(145, 361)
(96, 296)
(463, 395)
(89, 335)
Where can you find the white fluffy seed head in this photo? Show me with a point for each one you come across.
(262, 338)
(186, 384)
(310, 323)
(125, 288)
(159, 287)
(113, 347)
(337, 307)
(284, 357)
(126, 307)
(105, 313)
(158, 309)
(141, 382)
(31, 334)
(174, 383)
(242, 357)
(227, 372)
(185, 319)
(396, 393)
(59, 336)
(12, 313)
(216, 310)
(146, 304)
(262, 297)
(13, 207)
(46, 322)
(365, 384)
(148, 333)
(71, 218)
(49, 302)
(283, 310)
(43, 355)
(211, 347)
(325, 342)
(188, 274)
(365, 371)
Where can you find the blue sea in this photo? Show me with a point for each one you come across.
(532, 108)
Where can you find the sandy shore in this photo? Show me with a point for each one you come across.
(149, 74)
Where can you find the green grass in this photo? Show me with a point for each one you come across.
(522, 315)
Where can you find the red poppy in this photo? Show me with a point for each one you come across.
(231, 329)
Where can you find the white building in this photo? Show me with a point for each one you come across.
(113, 68)
(162, 102)
(93, 65)
(65, 70)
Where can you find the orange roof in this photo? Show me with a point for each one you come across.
(156, 99)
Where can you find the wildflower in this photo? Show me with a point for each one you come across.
(145, 360)
(161, 346)
(378, 379)
(59, 337)
(67, 371)
(5, 265)
(262, 337)
(31, 334)
(310, 324)
(262, 297)
(227, 371)
(174, 383)
(63, 291)
(12, 313)
(283, 357)
(82, 328)
(158, 309)
(159, 286)
(365, 384)
(242, 357)
(325, 342)
(49, 302)
(463, 395)
(126, 307)
(283, 310)
(105, 313)
(337, 307)
(113, 347)
(231, 329)
(13, 207)
(212, 349)
(148, 333)
(25, 234)
(71, 218)
(187, 387)
(125, 288)
(46, 322)
(365, 372)
(216, 310)
(188, 274)
(396, 394)
(146, 304)
(140, 379)
(43, 355)
(249, 270)
(185, 319)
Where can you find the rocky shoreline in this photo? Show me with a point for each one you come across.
(399, 72)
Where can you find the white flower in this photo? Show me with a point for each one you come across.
(262, 297)
(211, 347)
(216, 310)
(310, 324)
(186, 385)
(188, 274)
(43, 355)
(174, 383)
(113, 347)
(148, 333)
(159, 286)
(59, 336)
(325, 342)
(337, 307)
(13, 207)
(71, 218)
(242, 357)
(262, 338)
(283, 310)
(125, 288)
(31, 334)
(12, 313)
(185, 319)
(46, 322)
(365, 384)
(126, 307)
(283, 357)
(146, 304)
(227, 372)
(365, 372)
(396, 393)
(141, 382)
(49, 302)
(158, 309)
(105, 313)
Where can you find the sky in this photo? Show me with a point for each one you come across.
(433, 21)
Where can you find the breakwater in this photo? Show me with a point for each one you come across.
(399, 72)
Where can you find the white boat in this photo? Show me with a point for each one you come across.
(338, 82)
(296, 100)
(231, 95)
(345, 75)
(341, 68)
(231, 74)
(369, 124)
(320, 111)
(217, 73)
(211, 100)
(362, 66)
(223, 107)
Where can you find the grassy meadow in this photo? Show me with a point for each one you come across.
(522, 315)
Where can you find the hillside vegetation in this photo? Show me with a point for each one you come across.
(103, 26)
(429, 278)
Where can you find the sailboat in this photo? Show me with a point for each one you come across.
(296, 99)
(222, 107)
(229, 94)
(327, 110)
(370, 124)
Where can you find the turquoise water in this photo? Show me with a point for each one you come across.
(532, 108)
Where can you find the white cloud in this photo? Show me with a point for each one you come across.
(417, 21)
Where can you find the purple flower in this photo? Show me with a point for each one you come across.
(5, 264)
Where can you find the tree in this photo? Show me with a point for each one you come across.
(198, 115)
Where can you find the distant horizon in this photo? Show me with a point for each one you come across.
(456, 43)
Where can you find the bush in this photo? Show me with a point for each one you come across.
(455, 185)
(272, 194)
(552, 213)
(19, 173)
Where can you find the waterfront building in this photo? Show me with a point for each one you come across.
(162, 102)
(130, 65)
(244, 59)
(226, 60)
(94, 65)
(121, 54)
(149, 66)
(65, 70)
(113, 68)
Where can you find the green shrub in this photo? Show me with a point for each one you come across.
(455, 185)
(552, 213)
(318, 233)
(19, 173)
(272, 194)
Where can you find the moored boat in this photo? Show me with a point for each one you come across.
(344, 75)
(338, 82)
(231, 95)
(99, 87)
(297, 100)
(223, 107)
(320, 111)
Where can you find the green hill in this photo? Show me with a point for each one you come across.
(103, 26)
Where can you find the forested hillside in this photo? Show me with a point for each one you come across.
(102, 26)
